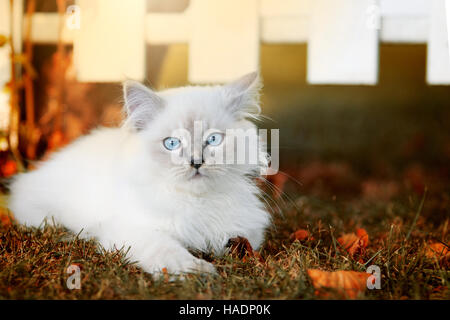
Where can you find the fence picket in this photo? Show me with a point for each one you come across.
(104, 41)
(343, 43)
(224, 36)
(438, 57)
(225, 39)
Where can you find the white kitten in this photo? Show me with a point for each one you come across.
(122, 186)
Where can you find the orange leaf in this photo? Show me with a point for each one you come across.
(348, 240)
(438, 250)
(300, 235)
(363, 235)
(354, 243)
(348, 283)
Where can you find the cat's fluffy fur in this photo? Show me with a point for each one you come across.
(120, 186)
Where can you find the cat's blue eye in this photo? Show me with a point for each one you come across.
(214, 139)
(171, 143)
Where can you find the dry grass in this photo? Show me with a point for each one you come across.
(33, 262)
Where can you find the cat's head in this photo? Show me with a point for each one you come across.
(192, 136)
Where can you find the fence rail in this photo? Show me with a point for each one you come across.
(224, 36)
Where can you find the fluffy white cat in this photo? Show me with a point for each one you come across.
(121, 186)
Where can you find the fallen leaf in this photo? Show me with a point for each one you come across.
(348, 283)
(363, 236)
(437, 250)
(348, 240)
(354, 243)
(300, 235)
(242, 249)
(240, 246)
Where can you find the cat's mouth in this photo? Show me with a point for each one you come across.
(196, 175)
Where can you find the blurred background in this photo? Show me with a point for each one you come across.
(358, 88)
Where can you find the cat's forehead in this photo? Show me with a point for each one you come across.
(187, 107)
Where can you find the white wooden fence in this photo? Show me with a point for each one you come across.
(224, 36)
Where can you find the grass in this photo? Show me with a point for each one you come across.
(401, 225)
(377, 141)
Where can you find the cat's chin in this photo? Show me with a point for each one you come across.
(197, 183)
(196, 187)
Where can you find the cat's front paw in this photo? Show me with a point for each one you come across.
(190, 265)
(203, 266)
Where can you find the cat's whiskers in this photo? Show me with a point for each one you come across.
(233, 178)
(273, 188)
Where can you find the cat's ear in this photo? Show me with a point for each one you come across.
(243, 96)
(141, 104)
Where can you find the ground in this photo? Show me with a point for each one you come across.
(360, 157)
(406, 219)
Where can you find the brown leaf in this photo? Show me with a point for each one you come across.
(241, 248)
(300, 235)
(354, 243)
(350, 242)
(347, 283)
